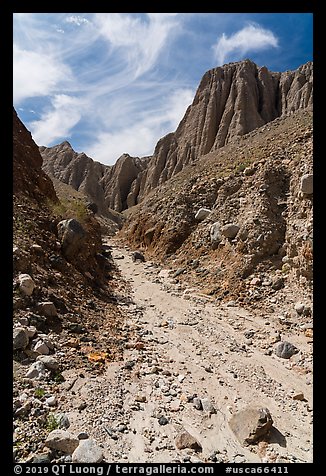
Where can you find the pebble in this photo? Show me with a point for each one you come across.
(82, 435)
(88, 451)
(51, 401)
(62, 440)
(197, 403)
(163, 420)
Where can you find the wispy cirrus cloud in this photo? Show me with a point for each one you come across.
(140, 129)
(117, 82)
(36, 74)
(251, 38)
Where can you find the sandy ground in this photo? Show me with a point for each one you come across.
(185, 344)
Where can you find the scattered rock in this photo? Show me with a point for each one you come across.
(42, 458)
(215, 235)
(299, 307)
(48, 309)
(202, 214)
(250, 424)
(278, 283)
(26, 284)
(163, 420)
(285, 350)
(61, 440)
(82, 435)
(197, 403)
(230, 230)
(207, 406)
(306, 185)
(186, 440)
(49, 361)
(36, 371)
(88, 451)
(62, 420)
(137, 256)
(298, 396)
(20, 338)
(140, 398)
(72, 236)
(51, 401)
(41, 348)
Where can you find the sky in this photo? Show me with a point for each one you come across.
(114, 83)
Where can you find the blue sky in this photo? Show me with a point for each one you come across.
(111, 83)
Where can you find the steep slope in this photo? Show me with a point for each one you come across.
(28, 176)
(261, 185)
(107, 186)
(230, 101)
(63, 295)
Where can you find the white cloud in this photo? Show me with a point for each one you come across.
(250, 38)
(140, 134)
(139, 41)
(36, 74)
(57, 123)
(76, 19)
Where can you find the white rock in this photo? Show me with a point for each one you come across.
(88, 451)
(26, 284)
(299, 307)
(207, 405)
(62, 440)
(51, 401)
(307, 184)
(181, 378)
(36, 371)
(202, 214)
(49, 361)
(41, 348)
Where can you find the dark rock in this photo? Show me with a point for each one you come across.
(285, 350)
(186, 440)
(163, 420)
(137, 256)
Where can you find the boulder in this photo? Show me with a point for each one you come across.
(215, 235)
(20, 338)
(230, 230)
(41, 348)
(72, 236)
(202, 214)
(62, 440)
(49, 361)
(36, 371)
(26, 284)
(48, 309)
(186, 440)
(250, 424)
(306, 185)
(285, 350)
(88, 451)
